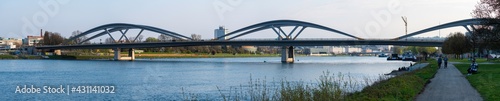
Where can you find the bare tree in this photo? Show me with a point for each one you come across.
(164, 38)
(139, 38)
(79, 39)
(196, 37)
(109, 40)
(52, 38)
(487, 36)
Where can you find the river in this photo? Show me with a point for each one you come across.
(146, 79)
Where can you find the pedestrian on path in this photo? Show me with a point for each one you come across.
(445, 62)
(439, 62)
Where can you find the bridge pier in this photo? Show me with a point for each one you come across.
(117, 57)
(131, 54)
(287, 54)
(117, 54)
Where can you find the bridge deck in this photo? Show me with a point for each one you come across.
(251, 43)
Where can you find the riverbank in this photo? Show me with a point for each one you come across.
(486, 81)
(400, 88)
(333, 87)
(11, 57)
(158, 56)
(155, 56)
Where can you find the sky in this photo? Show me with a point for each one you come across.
(362, 18)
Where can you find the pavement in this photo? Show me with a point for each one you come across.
(449, 85)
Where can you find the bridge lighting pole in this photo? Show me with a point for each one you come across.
(406, 25)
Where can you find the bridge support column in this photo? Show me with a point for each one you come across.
(131, 54)
(117, 54)
(287, 54)
(129, 57)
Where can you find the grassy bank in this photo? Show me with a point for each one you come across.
(404, 87)
(9, 57)
(479, 60)
(486, 81)
(332, 87)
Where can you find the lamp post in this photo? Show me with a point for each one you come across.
(406, 26)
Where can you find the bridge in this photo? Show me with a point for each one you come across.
(287, 40)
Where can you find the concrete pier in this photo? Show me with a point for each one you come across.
(287, 54)
(130, 56)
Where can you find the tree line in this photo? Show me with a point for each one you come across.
(54, 38)
(483, 37)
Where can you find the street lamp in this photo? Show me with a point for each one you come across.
(406, 25)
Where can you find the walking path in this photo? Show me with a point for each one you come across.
(449, 85)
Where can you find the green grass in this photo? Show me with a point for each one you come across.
(8, 57)
(404, 87)
(19, 57)
(478, 60)
(330, 87)
(340, 87)
(486, 81)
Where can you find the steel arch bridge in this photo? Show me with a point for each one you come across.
(466, 23)
(277, 25)
(123, 29)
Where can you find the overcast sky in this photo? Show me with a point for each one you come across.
(201, 16)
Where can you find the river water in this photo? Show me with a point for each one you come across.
(173, 79)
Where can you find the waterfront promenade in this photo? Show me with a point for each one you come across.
(449, 85)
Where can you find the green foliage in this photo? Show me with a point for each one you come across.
(414, 49)
(486, 81)
(152, 39)
(19, 57)
(8, 57)
(397, 50)
(457, 44)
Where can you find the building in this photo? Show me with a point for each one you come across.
(9, 43)
(32, 40)
(222, 31)
(251, 49)
(352, 50)
(337, 50)
(317, 51)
